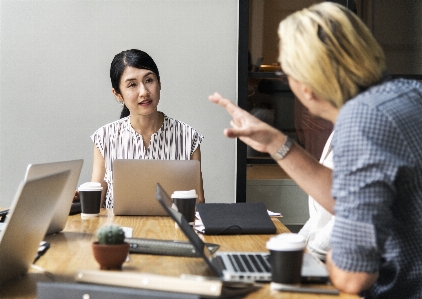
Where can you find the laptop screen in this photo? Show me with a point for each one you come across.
(133, 198)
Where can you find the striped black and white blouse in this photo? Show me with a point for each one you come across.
(175, 140)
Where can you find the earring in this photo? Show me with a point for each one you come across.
(122, 103)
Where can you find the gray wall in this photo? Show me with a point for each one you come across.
(55, 86)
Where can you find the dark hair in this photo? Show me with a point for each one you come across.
(134, 58)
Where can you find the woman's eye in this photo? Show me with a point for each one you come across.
(131, 85)
(149, 80)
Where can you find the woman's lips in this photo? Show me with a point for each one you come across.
(145, 103)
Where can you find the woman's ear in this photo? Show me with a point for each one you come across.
(118, 96)
(308, 93)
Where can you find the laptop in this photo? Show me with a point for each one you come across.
(29, 215)
(239, 266)
(61, 212)
(135, 180)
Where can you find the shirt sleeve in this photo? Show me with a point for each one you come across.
(196, 141)
(319, 242)
(98, 139)
(367, 149)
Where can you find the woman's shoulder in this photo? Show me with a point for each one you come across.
(180, 128)
(114, 126)
(171, 122)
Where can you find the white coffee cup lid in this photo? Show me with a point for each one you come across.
(286, 242)
(184, 194)
(90, 186)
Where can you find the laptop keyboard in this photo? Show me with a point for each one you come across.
(248, 262)
(261, 261)
(250, 266)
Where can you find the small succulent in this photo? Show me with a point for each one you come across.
(110, 234)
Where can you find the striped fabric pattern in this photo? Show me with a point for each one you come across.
(175, 140)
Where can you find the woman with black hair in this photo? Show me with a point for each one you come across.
(142, 132)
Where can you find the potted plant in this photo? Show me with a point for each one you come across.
(111, 249)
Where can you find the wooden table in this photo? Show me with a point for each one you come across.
(71, 251)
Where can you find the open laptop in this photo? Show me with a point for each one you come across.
(61, 212)
(134, 183)
(238, 266)
(29, 215)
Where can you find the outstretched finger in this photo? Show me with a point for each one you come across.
(232, 133)
(227, 104)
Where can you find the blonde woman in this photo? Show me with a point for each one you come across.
(337, 70)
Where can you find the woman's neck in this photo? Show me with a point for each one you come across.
(147, 124)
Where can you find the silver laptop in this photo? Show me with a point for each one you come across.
(61, 212)
(134, 183)
(29, 216)
(239, 266)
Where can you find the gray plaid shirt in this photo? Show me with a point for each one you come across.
(377, 184)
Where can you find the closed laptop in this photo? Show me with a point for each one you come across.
(235, 218)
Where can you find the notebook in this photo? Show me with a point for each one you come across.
(63, 208)
(239, 266)
(134, 183)
(29, 215)
(235, 218)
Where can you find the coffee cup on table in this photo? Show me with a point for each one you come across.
(286, 256)
(90, 197)
(185, 203)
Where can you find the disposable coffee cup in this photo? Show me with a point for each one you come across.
(90, 197)
(286, 256)
(185, 203)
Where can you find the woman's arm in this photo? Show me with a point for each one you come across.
(314, 178)
(197, 156)
(349, 282)
(98, 172)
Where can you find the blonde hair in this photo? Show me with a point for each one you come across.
(330, 50)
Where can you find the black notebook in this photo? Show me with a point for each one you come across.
(235, 218)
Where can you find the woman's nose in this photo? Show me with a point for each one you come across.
(143, 91)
